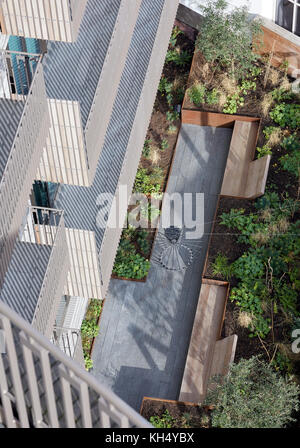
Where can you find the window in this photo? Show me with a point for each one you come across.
(288, 15)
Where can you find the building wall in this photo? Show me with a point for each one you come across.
(111, 237)
(112, 70)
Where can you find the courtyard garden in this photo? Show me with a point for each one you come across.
(255, 245)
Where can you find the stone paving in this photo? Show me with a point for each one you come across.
(146, 327)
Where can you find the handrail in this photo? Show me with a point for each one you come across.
(28, 96)
(70, 373)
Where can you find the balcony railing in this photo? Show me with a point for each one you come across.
(69, 341)
(41, 387)
(22, 79)
(46, 227)
(51, 20)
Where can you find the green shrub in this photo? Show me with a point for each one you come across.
(253, 395)
(280, 95)
(263, 151)
(247, 86)
(165, 421)
(142, 240)
(131, 265)
(146, 148)
(90, 328)
(172, 116)
(267, 271)
(226, 38)
(286, 115)
(197, 93)
(144, 182)
(94, 308)
(88, 361)
(156, 175)
(166, 88)
(164, 144)
(178, 57)
(212, 97)
(291, 161)
(233, 103)
(174, 36)
(221, 267)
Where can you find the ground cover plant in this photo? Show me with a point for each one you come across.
(90, 329)
(132, 259)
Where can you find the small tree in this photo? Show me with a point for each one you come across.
(226, 38)
(253, 395)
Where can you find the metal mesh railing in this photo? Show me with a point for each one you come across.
(46, 227)
(41, 387)
(23, 159)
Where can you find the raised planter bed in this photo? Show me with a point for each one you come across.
(184, 414)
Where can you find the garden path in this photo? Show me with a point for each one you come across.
(146, 327)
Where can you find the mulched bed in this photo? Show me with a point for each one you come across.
(184, 415)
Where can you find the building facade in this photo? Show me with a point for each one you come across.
(80, 104)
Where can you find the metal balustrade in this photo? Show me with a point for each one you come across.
(46, 227)
(41, 387)
(67, 339)
(25, 119)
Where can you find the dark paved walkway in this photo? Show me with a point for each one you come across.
(145, 327)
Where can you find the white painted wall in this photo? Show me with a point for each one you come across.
(265, 8)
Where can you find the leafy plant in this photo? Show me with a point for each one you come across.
(212, 96)
(253, 395)
(221, 267)
(286, 115)
(146, 148)
(291, 161)
(164, 144)
(89, 328)
(226, 38)
(172, 116)
(280, 95)
(263, 151)
(88, 361)
(178, 57)
(247, 86)
(233, 103)
(174, 36)
(165, 421)
(94, 309)
(144, 182)
(197, 93)
(166, 88)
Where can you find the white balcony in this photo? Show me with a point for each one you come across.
(49, 20)
(40, 386)
(36, 276)
(24, 125)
